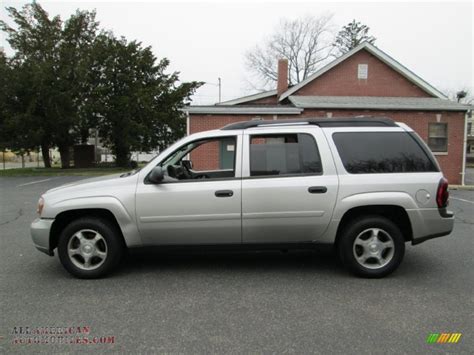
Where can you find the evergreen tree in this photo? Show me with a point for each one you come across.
(351, 35)
(136, 105)
(66, 79)
(50, 64)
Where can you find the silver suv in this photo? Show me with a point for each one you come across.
(365, 185)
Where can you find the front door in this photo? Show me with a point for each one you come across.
(198, 202)
(227, 151)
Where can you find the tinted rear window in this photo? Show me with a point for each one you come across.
(284, 154)
(376, 152)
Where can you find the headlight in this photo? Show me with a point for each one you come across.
(39, 209)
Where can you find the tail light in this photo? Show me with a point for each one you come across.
(442, 195)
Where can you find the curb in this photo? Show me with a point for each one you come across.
(462, 187)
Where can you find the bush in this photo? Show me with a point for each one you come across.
(106, 164)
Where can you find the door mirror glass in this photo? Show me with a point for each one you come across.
(156, 175)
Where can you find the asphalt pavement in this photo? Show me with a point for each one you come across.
(234, 302)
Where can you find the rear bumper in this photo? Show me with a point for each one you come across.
(40, 231)
(428, 237)
(430, 223)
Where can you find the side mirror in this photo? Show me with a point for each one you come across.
(156, 175)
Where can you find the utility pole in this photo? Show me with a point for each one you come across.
(96, 142)
(219, 84)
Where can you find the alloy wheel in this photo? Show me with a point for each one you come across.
(373, 248)
(87, 249)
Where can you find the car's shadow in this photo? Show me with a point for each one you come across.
(153, 259)
(321, 262)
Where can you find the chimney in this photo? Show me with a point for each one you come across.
(282, 84)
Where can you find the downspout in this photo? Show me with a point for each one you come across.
(187, 123)
(464, 147)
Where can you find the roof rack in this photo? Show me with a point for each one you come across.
(321, 122)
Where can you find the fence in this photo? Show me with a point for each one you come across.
(10, 160)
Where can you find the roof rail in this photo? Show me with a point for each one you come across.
(321, 122)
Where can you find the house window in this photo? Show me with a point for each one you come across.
(438, 137)
(363, 71)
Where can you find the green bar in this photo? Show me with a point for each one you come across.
(432, 338)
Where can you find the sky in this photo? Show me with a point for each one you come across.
(208, 40)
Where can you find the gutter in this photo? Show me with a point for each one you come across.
(464, 148)
(380, 107)
(187, 123)
(238, 110)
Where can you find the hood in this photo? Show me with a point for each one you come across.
(91, 193)
(86, 184)
(96, 181)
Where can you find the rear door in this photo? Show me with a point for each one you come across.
(289, 185)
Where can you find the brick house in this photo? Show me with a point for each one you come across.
(364, 81)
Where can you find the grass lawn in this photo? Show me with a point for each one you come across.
(61, 172)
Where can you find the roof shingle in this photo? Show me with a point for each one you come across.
(377, 103)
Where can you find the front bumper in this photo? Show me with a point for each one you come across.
(40, 231)
(430, 223)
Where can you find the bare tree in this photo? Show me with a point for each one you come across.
(463, 95)
(306, 42)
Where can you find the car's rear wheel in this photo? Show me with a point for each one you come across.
(371, 246)
(90, 247)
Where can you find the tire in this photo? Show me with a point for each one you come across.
(371, 246)
(90, 247)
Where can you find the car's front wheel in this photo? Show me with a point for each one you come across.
(90, 247)
(371, 246)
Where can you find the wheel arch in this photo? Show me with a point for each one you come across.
(395, 213)
(66, 217)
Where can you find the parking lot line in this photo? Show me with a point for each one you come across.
(463, 200)
(34, 182)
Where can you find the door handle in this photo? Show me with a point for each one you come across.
(317, 189)
(224, 193)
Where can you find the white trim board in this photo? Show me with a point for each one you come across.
(238, 110)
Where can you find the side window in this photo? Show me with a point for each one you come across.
(212, 158)
(214, 154)
(438, 137)
(382, 152)
(284, 154)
